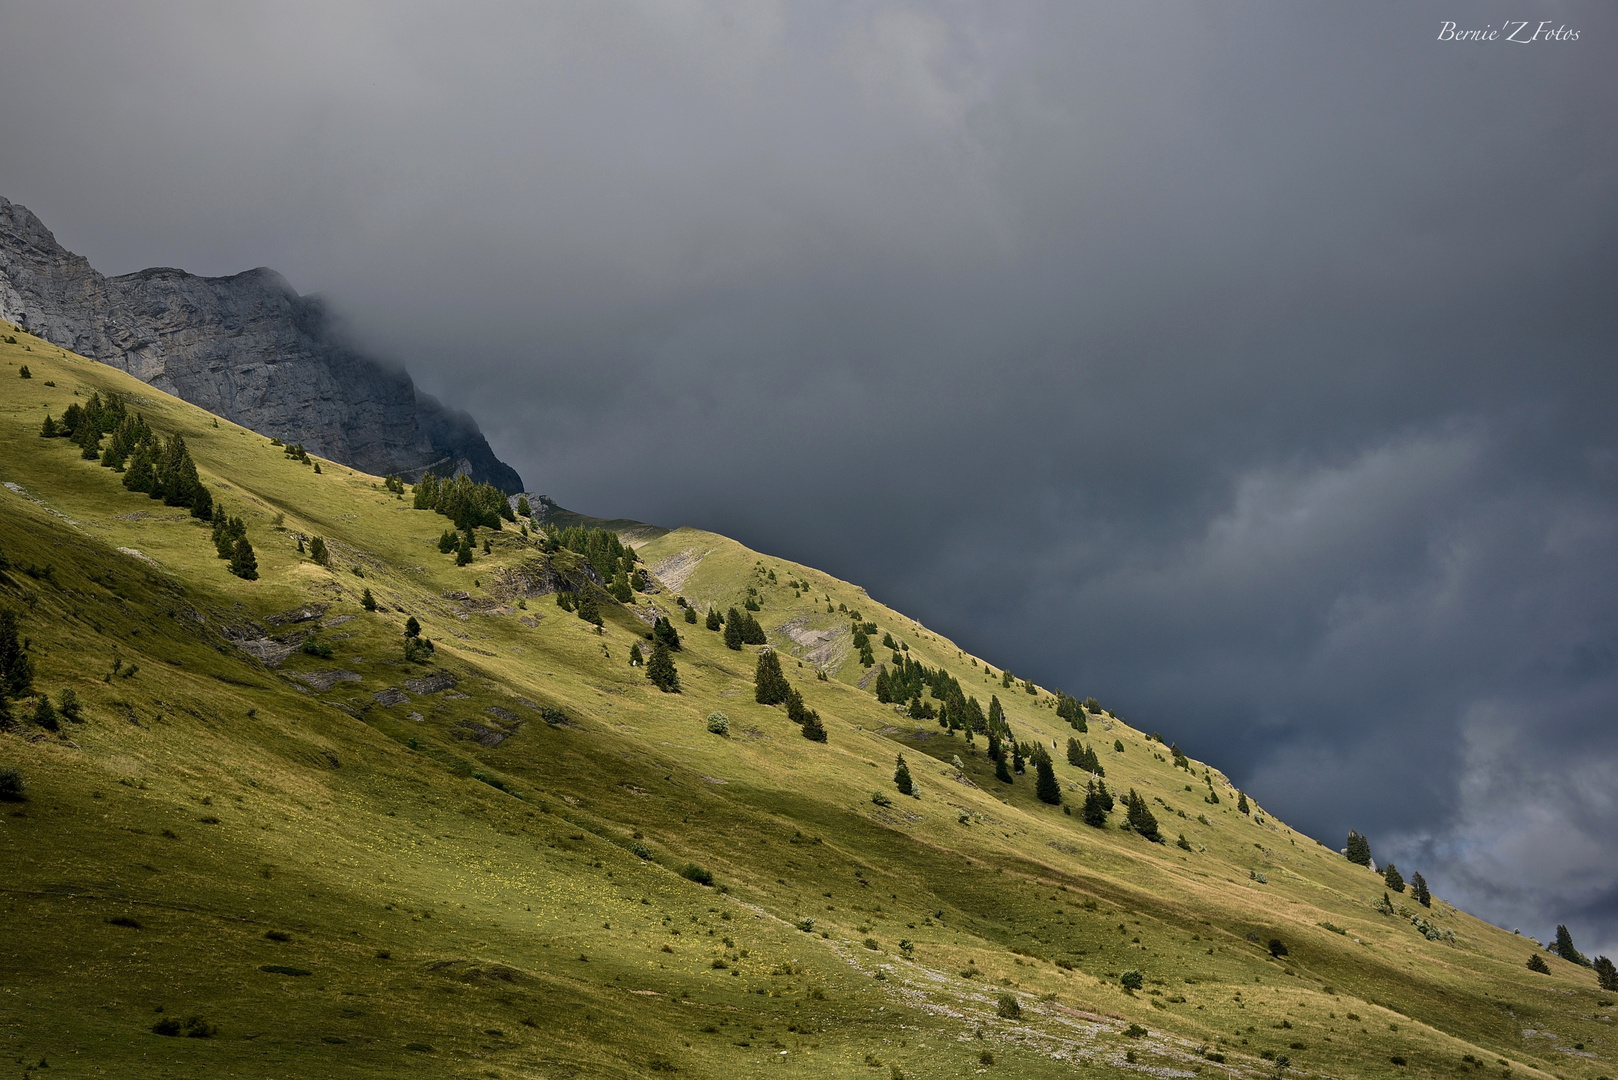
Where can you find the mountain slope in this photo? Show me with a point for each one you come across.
(246, 347)
(475, 885)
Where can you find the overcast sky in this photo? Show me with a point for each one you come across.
(1249, 366)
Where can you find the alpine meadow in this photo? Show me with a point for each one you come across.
(310, 772)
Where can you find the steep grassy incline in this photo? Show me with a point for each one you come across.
(352, 865)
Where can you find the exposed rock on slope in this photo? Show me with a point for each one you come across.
(246, 347)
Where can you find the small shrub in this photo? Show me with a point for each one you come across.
(125, 921)
(881, 799)
(277, 935)
(1135, 1031)
(1007, 1007)
(870, 943)
(166, 1026)
(198, 1028)
(718, 722)
(1131, 980)
(1537, 963)
(698, 874)
(313, 646)
(11, 786)
(1277, 949)
(282, 969)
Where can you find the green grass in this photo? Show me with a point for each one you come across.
(519, 909)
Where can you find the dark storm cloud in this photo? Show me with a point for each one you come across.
(1250, 368)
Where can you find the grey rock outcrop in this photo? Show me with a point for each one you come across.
(245, 347)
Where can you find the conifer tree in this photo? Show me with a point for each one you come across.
(1046, 785)
(997, 714)
(1564, 948)
(769, 684)
(733, 630)
(752, 632)
(448, 541)
(1537, 963)
(661, 670)
(1606, 973)
(1095, 810)
(463, 553)
(901, 778)
(523, 509)
(1359, 849)
(588, 609)
(242, 561)
(1106, 796)
(1075, 756)
(318, 552)
(691, 615)
(635, 657)
(47, 430)
(813, 729)
(1393, 879)
(16, 667)
(1140, 817)
(1418, 889)
(1017, 758)
(45, 714)
(412, 627)
(663, 630)
(367, 601)
(713, 621)
(1001, 773)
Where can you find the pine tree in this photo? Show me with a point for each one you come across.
(1565, 949)
(752, 632)
(47, 430)
(45, 714)
(813, 729)
(318, 552)
(1016, 758)
(769, 684)
(663, 630)
(1359, 849)
(463, 553)
(661, 670)
(901, 778)
(1242, 806)
(635, 657)
(1418, 889)
(1075, 756)
(242, 561)
(412, 627)
(1393, 879)
(1001, 773)
(1095, 811)
(997, 714)
(1107, 801)
(448, 541)
(16, 668)
(1046, 785)
(588, 609)
(1537, 963)
(1140, 817)
(713, 621)
(367, 601)
(733, 630)
(691, 615)
(523, 509)
(1606, 973)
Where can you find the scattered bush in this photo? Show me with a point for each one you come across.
(881, 799)
(1131, 980)
(1007, 1007)
(313, 646)
(282, 969)
(126, 922)
(11, 786)
(1135, 1031)
(1277, 949)
(698, 874)
(719, 723)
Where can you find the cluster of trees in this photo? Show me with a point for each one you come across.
(1139, 817)
(464, 501)
(1098, 803)
(770, 687)
(601, 548)
(583, 603)
(663, 631)
(230, 541)
(909, 679)
(740, 628)
(1358, 849)
(394, 483)
(1606, 972)
(417, 649)
(660, 668)
(862, 641)
(1084, 757)
(1072, 710)
(296, 452)
(461, 545)
(16, 667)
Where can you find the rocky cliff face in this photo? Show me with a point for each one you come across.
(245, 347)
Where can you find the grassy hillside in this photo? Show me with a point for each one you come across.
(351, 865)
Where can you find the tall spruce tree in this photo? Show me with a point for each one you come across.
(242, 561)
(1046, 785)
(1358, 849)
(663, 630)
(1393, 879)
(813, 729)
(1001, 772)
(1141, 818)
(1606, 973)
(1095, 811)
(769, 684)
(713, 621)
(901, 777)
(16, 667)
(1564, 948)
(1418, 889)
(1075, 755)
(733, 630)
(1241, 803)
(661, 670)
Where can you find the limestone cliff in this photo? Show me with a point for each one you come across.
(246, 347)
